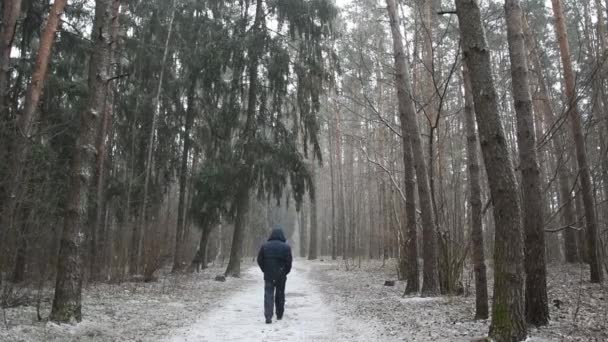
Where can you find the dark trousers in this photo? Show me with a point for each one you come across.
(274, 294)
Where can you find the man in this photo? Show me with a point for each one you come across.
(275, 260)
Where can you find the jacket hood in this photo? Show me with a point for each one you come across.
(277, 234)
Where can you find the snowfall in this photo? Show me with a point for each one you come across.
(325, 301)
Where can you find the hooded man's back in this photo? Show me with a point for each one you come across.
(275, 256)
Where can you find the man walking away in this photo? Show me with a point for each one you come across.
(275, 260)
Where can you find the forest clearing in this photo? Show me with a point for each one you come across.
(376, 170)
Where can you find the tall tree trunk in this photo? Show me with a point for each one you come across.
(135, 248)
(25, 121)
(313, 235)
(409, 126)
(479, 259)
(583, 252)
(183, 174)
(601, 32)
(508, 323)
(98, 207)
(68, 289)
(559, 151)
(579, 143)
(302, 226)
(242, 198)
(201, 255)
(334, 252)
(341, 200)
(537, 307)
(236, 251)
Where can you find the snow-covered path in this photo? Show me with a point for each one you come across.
(307, 317)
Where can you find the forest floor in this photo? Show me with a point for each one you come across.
(324, 302)
(579, 309)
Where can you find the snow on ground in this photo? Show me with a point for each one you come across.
(582, 314)
(324, 302)
(125, 312)
(307, 316)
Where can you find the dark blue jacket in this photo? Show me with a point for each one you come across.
(275, 257)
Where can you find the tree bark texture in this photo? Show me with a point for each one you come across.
(25, 121)
(579, 144)
(183, 174)
(68, 288)
(302, 226)
(236, 251)
(508, 323)
(409, 126)
(242, 198)
(140, 226)
(313, 235)
(479, 259)
(98, 239)
(560, 152)
(536, 301)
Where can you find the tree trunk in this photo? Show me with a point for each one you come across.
(303, 230)
(559, 148)
(479, 259)
(68, 288)
(236, 251)
(334, 252)
(200, 259)
(579, 144)
(98, 207)
(312, 240)
(25, 121)
(341, 201)
(242, 198)
(183, 174)
(135, 248)
(537, 309)
(409, 126)
(508, 322)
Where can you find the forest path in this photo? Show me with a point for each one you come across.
(307, 316)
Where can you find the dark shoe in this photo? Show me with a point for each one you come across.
(268, 320)
(279, 317)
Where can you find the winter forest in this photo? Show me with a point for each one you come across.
(439, 168)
